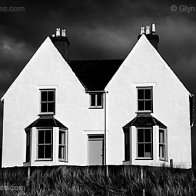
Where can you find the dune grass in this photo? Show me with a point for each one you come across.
(121, 180)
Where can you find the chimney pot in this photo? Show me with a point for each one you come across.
(57, 32)
(153, 28)
(147, 29)
(63, 32)
(142, 30)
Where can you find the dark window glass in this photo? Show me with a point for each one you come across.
(140, 150)
(145, 99)
(99, 99)
(140, 94)
(28, 147)
(44, 144)
(48, 101)
(148, 105)
(147, 135)
(44, 107)
(48, 151)
(41, 151)
(147, 93)
(144, 142)
(50, 95)
(140, 105)
(44, 96)
(62, 145)
(41, 137)
(140, 135)
(93, 100)
(47, 137)
(127, 146)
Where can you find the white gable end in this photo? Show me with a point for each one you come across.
(142, 63)
(46, 62)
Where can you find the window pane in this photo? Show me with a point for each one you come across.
(161, 136)
(61, 137)
(148, 105)
(147, 135)
(48, 138)
(92, 99)
(140, 150)
(51, 107)
(41, 151)
(140, 93)
(161, 151)
(48, 150)
(99, 99)
(148, 150)
(43, 95)
(140, 105)
(61, 152)
(147, 93)
(40, 137)
(43, 107)
(50, 95)
(140, 135)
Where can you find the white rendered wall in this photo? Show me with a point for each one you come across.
(47, 69)
(145, 67)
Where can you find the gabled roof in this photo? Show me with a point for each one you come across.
(46, 121)
(144, 120)
(95, 74)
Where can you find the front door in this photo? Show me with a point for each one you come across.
(95, 149)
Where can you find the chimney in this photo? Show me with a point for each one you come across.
(150, 35)
(61, 42)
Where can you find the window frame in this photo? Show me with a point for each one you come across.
(96, 106)
(44, 144)
(65, 145)
(144, 158)
(164, 144)
(144, 100)
(28, 146)
(127, 145)
(47, 90)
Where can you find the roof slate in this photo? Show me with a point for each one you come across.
(144, 120)
(46, 121)
(95, 74)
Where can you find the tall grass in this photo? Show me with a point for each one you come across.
(121, 180)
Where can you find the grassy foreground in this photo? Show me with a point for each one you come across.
(75, 180)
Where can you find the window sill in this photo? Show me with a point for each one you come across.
(95, 107)
(43, 160)
(62, 160)
(144, 159)
(144, 111)
(163, 159)
(46, 113)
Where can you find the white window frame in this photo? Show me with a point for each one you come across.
(150, 157)
(163, 144)
(96, 101)
(151, 99)
(45, 159)
(47, 90)
(65, 145)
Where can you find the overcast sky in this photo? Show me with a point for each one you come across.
(97, 29)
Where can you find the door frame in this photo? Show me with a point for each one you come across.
(98, 136)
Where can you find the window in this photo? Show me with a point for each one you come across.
(96, 100)
(45, 144)
(48, 101)
(162, 144)
(63, 145)
(28, 151)
(127, 145)
(144, 143)
(145, 99)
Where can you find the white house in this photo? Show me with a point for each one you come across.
(132, 111)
